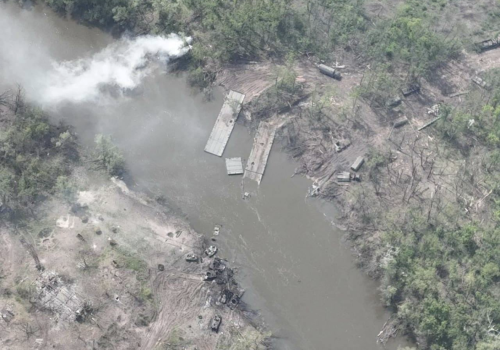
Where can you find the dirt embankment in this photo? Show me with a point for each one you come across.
(114, 275)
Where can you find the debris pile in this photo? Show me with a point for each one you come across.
(53, 294)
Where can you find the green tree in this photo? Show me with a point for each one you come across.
(108, 157)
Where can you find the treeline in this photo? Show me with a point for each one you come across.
(228, 31)
(35, 157)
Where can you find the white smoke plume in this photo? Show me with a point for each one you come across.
(120, 66)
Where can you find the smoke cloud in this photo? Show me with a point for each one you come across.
(119, 67)
(37, 53)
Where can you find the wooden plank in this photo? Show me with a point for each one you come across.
(259, 155)
(224, 124)
(234, 166)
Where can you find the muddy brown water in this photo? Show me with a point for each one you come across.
(292, 261)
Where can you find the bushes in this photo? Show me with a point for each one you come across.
(448, 283)
(66, 188)
(332, 23)
(108, 157)
(408, 38)
(378, 87)
(33, 155)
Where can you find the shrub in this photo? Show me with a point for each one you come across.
(108, 157)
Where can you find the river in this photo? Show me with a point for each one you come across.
(292, 261)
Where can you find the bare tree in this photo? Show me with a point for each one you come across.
(29, 329)
(19, 100)
(5, 99)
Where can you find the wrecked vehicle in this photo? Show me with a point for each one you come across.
(211, 251)
(481, 82)
(191, 257)
(215, 323)
(210, 276)
(394, 102)
(488, 44)
(225, 296)
(84, 312)
(217, 265)
(344, 176)
(235, 300)
(221, 280)
(410, 89)
(338, 147)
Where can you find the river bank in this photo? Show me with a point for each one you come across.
(97, 265)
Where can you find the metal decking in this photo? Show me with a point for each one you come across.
(259, 155)
(234, 166)
(224, 124)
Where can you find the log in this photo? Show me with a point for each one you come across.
(429, 123)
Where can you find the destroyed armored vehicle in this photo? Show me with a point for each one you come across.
(221, 280)
(488, 44)
(410, 89)
(217, 265)
(225, 296)
(481, 82)
(211, 251)
(235, 300)
(394, 102)
(210, 276)
(215, 323)
(84, 312)
(339, 147)
(191, 257)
